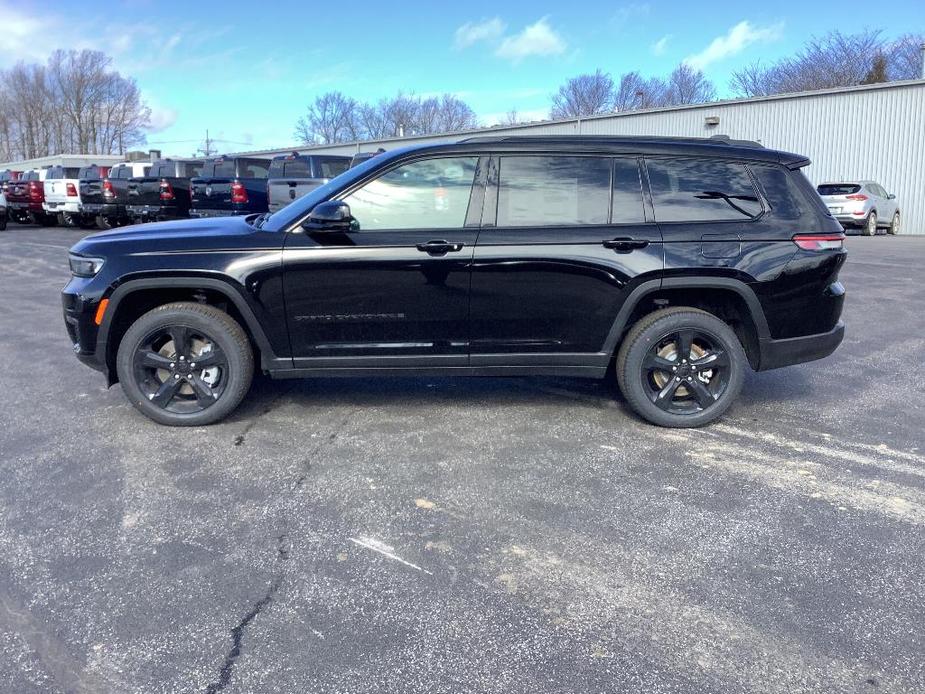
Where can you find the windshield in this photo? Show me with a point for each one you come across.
(281, 219)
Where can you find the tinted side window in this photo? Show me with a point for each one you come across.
(691, 190)
(253, 168)
(782, 192)
(162, 170)
(627, 193)
(428, 194)
(329, 167)
(55, 172)
(552, 191)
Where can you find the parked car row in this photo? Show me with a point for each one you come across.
(136, 192)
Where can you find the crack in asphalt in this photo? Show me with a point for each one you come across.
(237, 638)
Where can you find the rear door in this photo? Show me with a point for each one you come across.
(564, 240)
(394, 290)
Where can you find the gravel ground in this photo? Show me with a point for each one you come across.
(451, 535)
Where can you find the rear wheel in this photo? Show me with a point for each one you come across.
(3, 223)
(185, 364)
(894, 225)
(104, 223)
(870, 227)
(66, 219)
(680, 367)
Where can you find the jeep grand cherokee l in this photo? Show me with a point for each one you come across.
(679, 263)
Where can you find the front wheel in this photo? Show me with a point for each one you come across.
(894, 225)
(870, 228)
(185, 364)
(680, 367)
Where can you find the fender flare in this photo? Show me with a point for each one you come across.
(268, 356)
(652, 286)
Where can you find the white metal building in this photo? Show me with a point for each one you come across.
(867, 132)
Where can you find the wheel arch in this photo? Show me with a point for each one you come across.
(729, 299)
(137, 296)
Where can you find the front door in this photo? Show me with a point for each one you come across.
(394, 289)
(564, 240)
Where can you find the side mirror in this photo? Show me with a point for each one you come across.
(332, 215)
(891, 196)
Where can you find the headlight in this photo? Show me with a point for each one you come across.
(85, 267)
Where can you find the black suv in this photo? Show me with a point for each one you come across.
(677, 262)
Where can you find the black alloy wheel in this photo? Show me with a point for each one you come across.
(185, 364)
(680, 367)
(180, 369)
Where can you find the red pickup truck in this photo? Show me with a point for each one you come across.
(25, 197)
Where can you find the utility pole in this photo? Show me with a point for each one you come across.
(207, 150)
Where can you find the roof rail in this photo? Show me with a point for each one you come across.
(714, 140)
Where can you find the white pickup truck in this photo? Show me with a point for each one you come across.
(62, 195)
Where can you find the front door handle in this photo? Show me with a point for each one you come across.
(439, 247)
(625, 245)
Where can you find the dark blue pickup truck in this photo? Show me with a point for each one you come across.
(229, 186)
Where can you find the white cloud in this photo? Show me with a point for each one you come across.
(658, 48)
(736, 40)
(536, 39)
(22, 36)
(473, 32)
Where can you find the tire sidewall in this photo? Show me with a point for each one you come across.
(870, 227)
(239, 367)
(894, 225)
(631, 380)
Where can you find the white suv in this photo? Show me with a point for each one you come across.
(863, 204)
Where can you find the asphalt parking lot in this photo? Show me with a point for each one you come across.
(440, 535)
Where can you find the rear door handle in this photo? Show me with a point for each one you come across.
(625, 245)
(439, 247)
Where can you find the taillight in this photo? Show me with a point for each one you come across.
(71, 190)
(819, 242)
(166, 190)
(34, 191)
(238, 192)
(856, 196)
(108, 190)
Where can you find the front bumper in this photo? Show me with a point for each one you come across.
(797, 350)
(79, 314)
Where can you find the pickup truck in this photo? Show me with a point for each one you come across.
(230, 186)
(62, 195)
(106, 198)
(293, 175)
(3, 216)
(8, 176)
(164, 193)
(25, 198)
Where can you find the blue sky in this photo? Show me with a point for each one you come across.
(247, 70)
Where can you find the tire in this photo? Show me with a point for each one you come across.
(148, 359)
(86, 222)
(66, 219)
(894, 225)
(2, 223)
(104, 223)
(715, 376)
(870, 226)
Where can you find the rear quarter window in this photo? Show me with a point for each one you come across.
(330, 167)
(253, 168)
(702, 190)
(782, 191)
(290, 168)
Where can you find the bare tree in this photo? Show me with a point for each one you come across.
(584, 95)
(511, 118)
(76, 103)
(331, 118)
(636, 92)
(688, 86)
(834, 60)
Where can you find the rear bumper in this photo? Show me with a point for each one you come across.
(205, 212)
(796, 350)
(17, 206)
(154, 213)
(55, 207)
(851, 219)
(106, 209)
